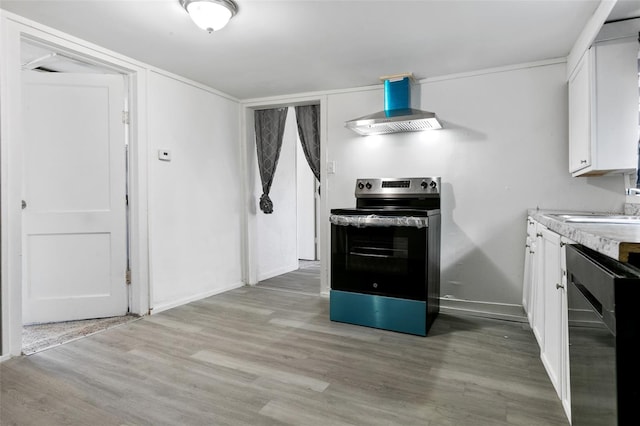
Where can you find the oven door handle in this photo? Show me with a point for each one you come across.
(378, 253)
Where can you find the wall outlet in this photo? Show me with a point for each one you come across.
(164, 155)
(331, 167)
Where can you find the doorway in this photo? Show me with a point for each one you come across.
(287, 238)
(74, 186)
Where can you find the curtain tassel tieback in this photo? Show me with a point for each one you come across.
(265, 204)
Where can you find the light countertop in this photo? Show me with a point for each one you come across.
(613, 240)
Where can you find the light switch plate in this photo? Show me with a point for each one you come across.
(164, 155)
(331, 167)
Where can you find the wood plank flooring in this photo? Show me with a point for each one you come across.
(256, 356)
(305, 280)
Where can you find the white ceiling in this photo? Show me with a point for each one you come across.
(292, 46)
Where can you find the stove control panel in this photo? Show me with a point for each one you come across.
(397, 187)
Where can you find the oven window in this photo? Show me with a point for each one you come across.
(385, 254)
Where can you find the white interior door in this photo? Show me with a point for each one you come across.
(74, 223)
(305, 206)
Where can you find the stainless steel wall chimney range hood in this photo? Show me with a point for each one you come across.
(398, 116)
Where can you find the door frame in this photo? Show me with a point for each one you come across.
(315, 204)
(13, 30)
(247, 135)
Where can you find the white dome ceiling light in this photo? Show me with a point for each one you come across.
(210, 15)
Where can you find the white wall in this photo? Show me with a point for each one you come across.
(276, 233)
(194, 200)
(503, 150)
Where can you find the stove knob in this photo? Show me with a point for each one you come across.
(433, 184)
(375, 285)
(424, 184)
(368, 185)
(360, 185)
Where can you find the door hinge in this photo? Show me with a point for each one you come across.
(127, 276)
(125, 117)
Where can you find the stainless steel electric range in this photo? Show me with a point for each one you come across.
(385, 255)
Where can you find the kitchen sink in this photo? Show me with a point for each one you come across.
(598, 219)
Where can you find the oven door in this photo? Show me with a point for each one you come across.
(382, 260)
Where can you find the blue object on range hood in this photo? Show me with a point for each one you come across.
(398, 116)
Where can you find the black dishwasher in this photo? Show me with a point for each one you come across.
(604, 328)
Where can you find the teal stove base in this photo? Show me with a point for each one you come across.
(387, 313)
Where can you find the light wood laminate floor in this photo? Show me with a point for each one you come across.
(256, 356)
(305, 280)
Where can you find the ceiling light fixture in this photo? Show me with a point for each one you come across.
(210, 15)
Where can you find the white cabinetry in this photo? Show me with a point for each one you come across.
(603, 109)
(545, 301)
(537, 290)
(580, 95)
(564, 322)
(529, 269)
(551, 349)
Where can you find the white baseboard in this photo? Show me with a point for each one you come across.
(484, 309)
(175, 303)
(3, 358)
(500, 311)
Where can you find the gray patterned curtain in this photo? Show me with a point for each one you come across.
(269, 126)
(308, 118)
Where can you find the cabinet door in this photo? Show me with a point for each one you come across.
(616, 104)
(580, 114)
(564, 376)
(527, 287)
(537, 289)
(552, 350)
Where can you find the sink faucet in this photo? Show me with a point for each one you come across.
(633, 191)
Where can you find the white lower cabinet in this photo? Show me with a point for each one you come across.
(546, 304)
(529, 270)
(537, 290)
(551, 348)
(564, 322)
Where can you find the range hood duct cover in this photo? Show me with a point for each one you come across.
(398, 116)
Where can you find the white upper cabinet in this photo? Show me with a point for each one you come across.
(580, 95)
(603, 109)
